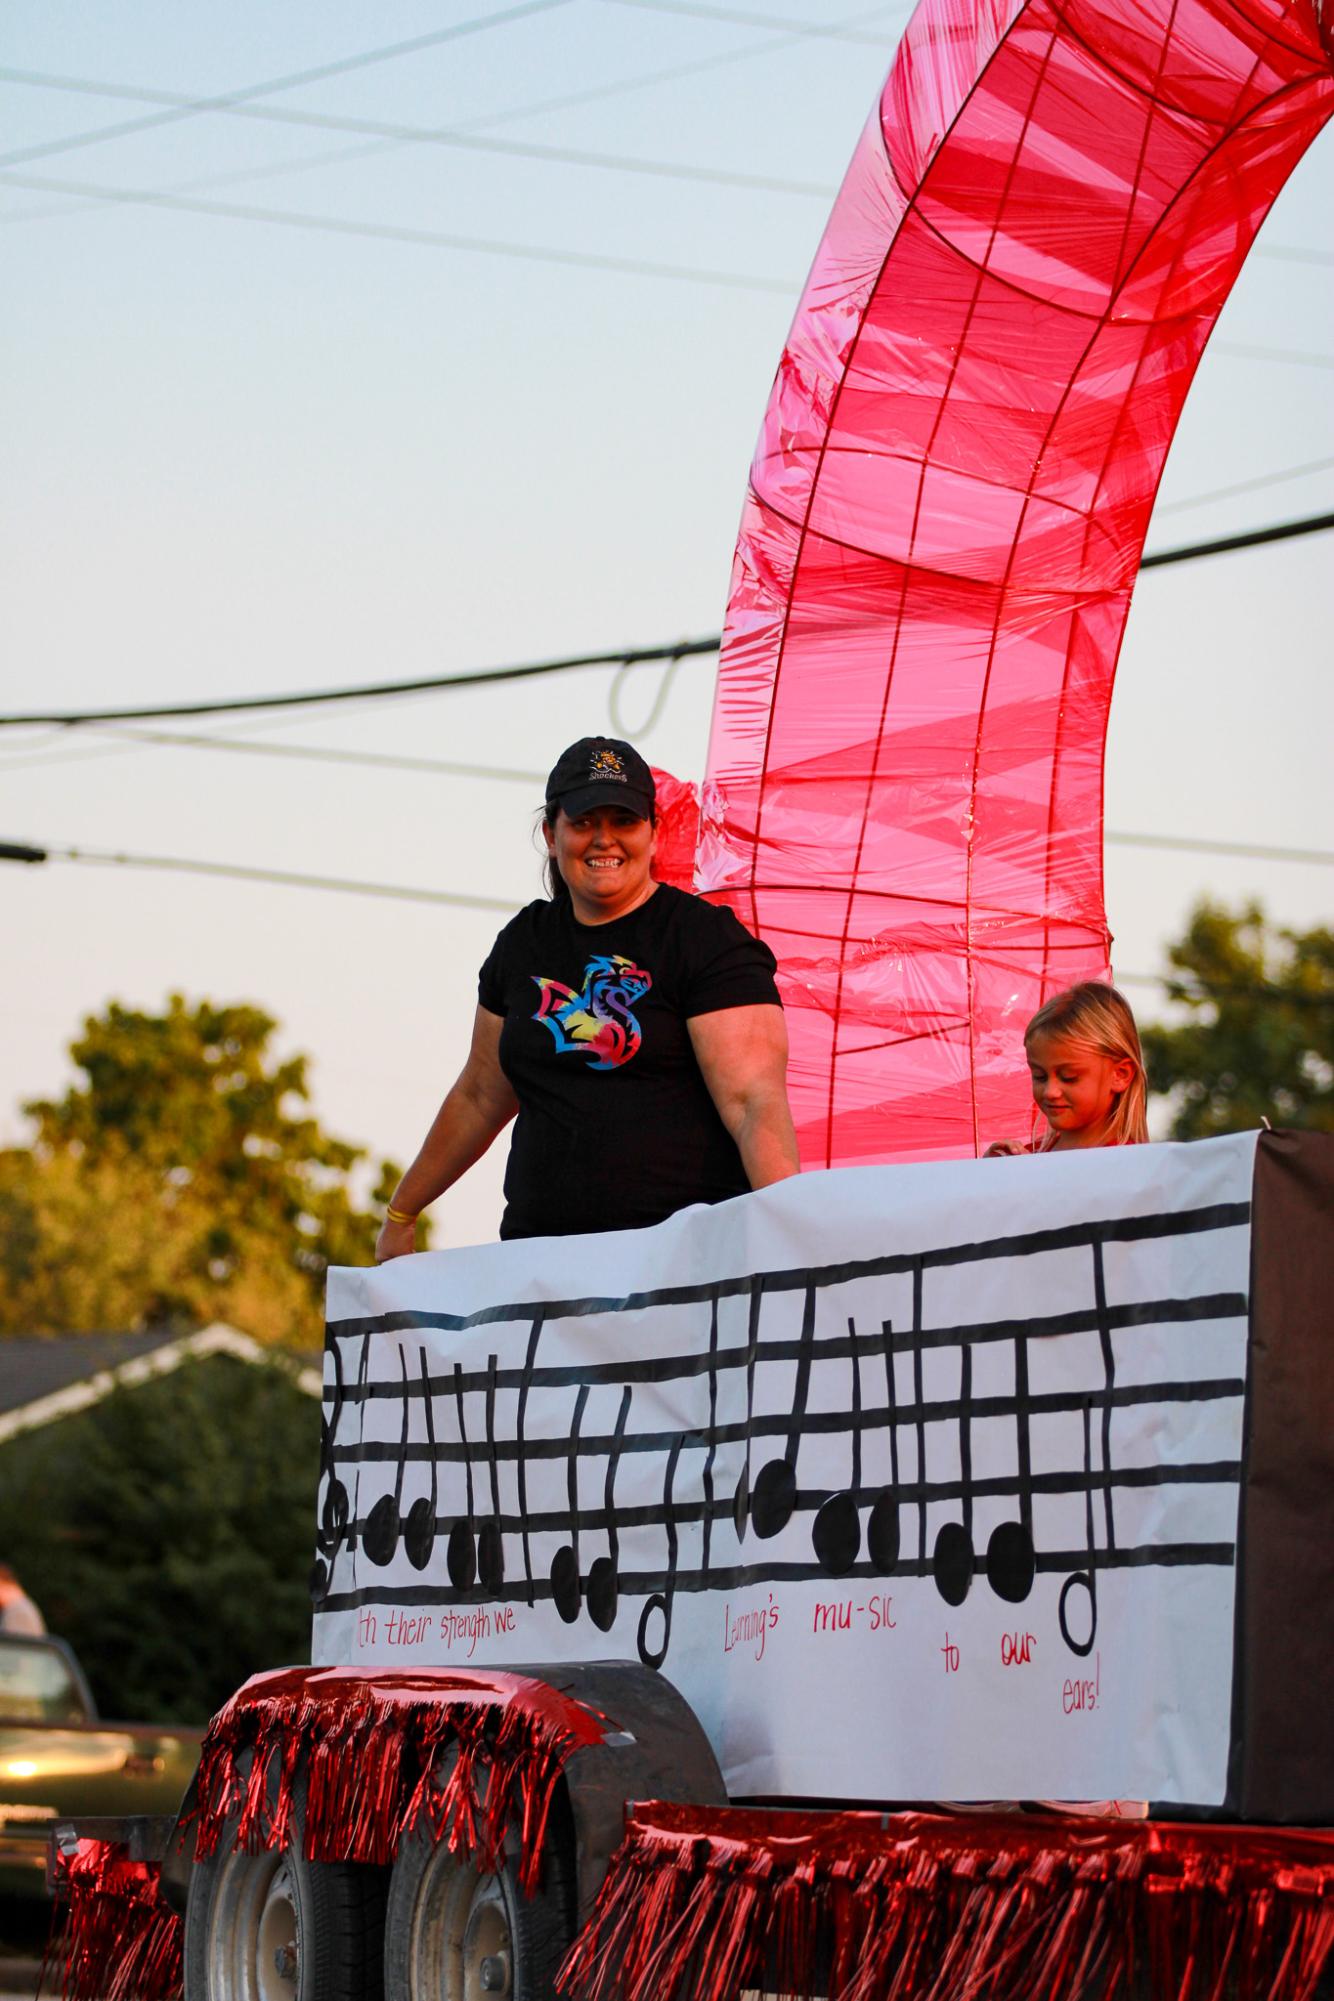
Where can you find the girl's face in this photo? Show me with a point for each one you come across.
(1076, 1087)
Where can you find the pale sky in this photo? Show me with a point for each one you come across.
(246, 454)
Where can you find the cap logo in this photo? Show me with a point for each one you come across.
(607, 764)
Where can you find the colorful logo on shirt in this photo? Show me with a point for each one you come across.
(598, 1022)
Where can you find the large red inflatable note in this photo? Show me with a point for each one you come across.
(946, 513)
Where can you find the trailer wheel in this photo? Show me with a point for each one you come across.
(275, 1927)
(455, 1932)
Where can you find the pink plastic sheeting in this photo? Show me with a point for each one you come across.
(945, 518)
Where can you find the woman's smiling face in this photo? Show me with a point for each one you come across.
(603, 856)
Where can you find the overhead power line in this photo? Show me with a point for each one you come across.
(436, 767)
(292, 80)
(450, 137)
(628, 657)
(733, 16)
(286, 878)
(434, 239)
(1248, 538)
(28, 854)
(531, 108)
(1246, 486)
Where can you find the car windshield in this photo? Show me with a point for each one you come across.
(36, 1685)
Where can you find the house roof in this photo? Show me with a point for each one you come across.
(45, 1377)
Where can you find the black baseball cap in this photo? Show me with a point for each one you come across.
(601, 771)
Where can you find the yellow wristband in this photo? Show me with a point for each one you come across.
(399, 1215)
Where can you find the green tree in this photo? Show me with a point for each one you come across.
(1258, 1038)
(185, 1179)
(168, 1533)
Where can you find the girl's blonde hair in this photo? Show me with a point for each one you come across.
(1100, 1018)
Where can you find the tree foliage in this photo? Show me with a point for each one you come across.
(167, 1533)
(1258, 1038)
(183, 1179)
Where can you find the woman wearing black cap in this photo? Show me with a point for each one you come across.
(634, 1030)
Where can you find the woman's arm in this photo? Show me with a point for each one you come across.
(742, 1054)
(478, 1107)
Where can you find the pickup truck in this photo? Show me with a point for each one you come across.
(58, 1759)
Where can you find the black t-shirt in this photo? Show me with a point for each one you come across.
(616, 1128)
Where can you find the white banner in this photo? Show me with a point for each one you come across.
(918, 1482)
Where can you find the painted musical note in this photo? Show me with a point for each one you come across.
(604, 1583)
(380, 1536)
(333, 1518)
(741, 1499)
(1011, 1556)
(775, 1493)
(952, 1559)
(521, 1457)
(461, 1551)
(882, 1528)
(419, 1529)
(490, 1540)
(663, 1601)
(1085, 1580)
(836, 1534)
(566, 1582)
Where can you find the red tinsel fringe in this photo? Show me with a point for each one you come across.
(474, 1757)
(700, 1904)
(120, 1940)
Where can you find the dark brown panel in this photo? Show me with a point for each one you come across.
(1283, 1751)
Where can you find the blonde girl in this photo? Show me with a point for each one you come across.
(1088, 1072)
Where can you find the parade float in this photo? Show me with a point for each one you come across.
(750, 1603)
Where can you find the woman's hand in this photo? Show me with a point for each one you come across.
(396, 1240)
(1004, 1149)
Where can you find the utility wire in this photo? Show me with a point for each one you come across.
(434, 239)
(287, 878)
(631, 656)
(293, 80)
(533, 108)
(733, 15)
(1245, 486)
(416, 135)
(1249, 538)
(507, 774)
(24, 852)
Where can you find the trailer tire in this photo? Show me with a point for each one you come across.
(277, 1927)
(456, 1932)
